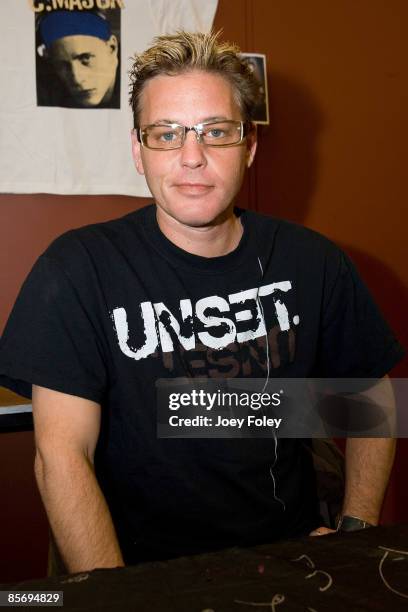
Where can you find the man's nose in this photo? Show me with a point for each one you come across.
(78, 74)
(192, 152)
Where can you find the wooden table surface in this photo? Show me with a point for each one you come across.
(8, 398)
(15, 412)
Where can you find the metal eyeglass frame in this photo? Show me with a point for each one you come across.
(198, 129)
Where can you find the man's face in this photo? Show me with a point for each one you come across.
(196, 184)
(87, 66)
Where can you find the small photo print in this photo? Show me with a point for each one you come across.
(77, 54)
(257, 62)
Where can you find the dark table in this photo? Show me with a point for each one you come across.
(366, 570)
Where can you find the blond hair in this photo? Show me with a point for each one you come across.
(185, 51)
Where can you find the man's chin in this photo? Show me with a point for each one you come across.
(88, 101)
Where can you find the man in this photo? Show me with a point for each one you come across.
(82, 52)
(189, 287)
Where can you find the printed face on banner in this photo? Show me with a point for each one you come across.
(87, 68)
(77, 58)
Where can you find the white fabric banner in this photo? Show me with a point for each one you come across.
(85, 148)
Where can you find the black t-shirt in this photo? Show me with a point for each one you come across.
(110, 308)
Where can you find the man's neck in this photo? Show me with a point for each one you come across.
(213, 240)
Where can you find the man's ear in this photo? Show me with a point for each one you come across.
(113, 44)
(251, 141)
(42, 51)
(136, 152)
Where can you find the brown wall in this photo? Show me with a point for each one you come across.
(333, 159)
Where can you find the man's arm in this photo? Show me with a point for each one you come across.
(368, 464)
(66, 432)
(369, 461)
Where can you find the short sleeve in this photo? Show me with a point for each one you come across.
(50, 339)
(356, 341)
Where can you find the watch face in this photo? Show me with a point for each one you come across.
(352, 523)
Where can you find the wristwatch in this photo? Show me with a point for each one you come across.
(352, 523)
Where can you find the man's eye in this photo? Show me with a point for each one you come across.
(167, 136)
(85, 58)
(215, 133)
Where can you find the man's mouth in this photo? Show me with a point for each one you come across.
(85, 93)
(194, 188)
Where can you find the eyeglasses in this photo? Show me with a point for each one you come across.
(167, 136)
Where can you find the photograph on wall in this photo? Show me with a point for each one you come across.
(77, 54)
(257, 63)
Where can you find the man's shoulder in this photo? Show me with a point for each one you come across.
(288, 235)
(96, 239)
